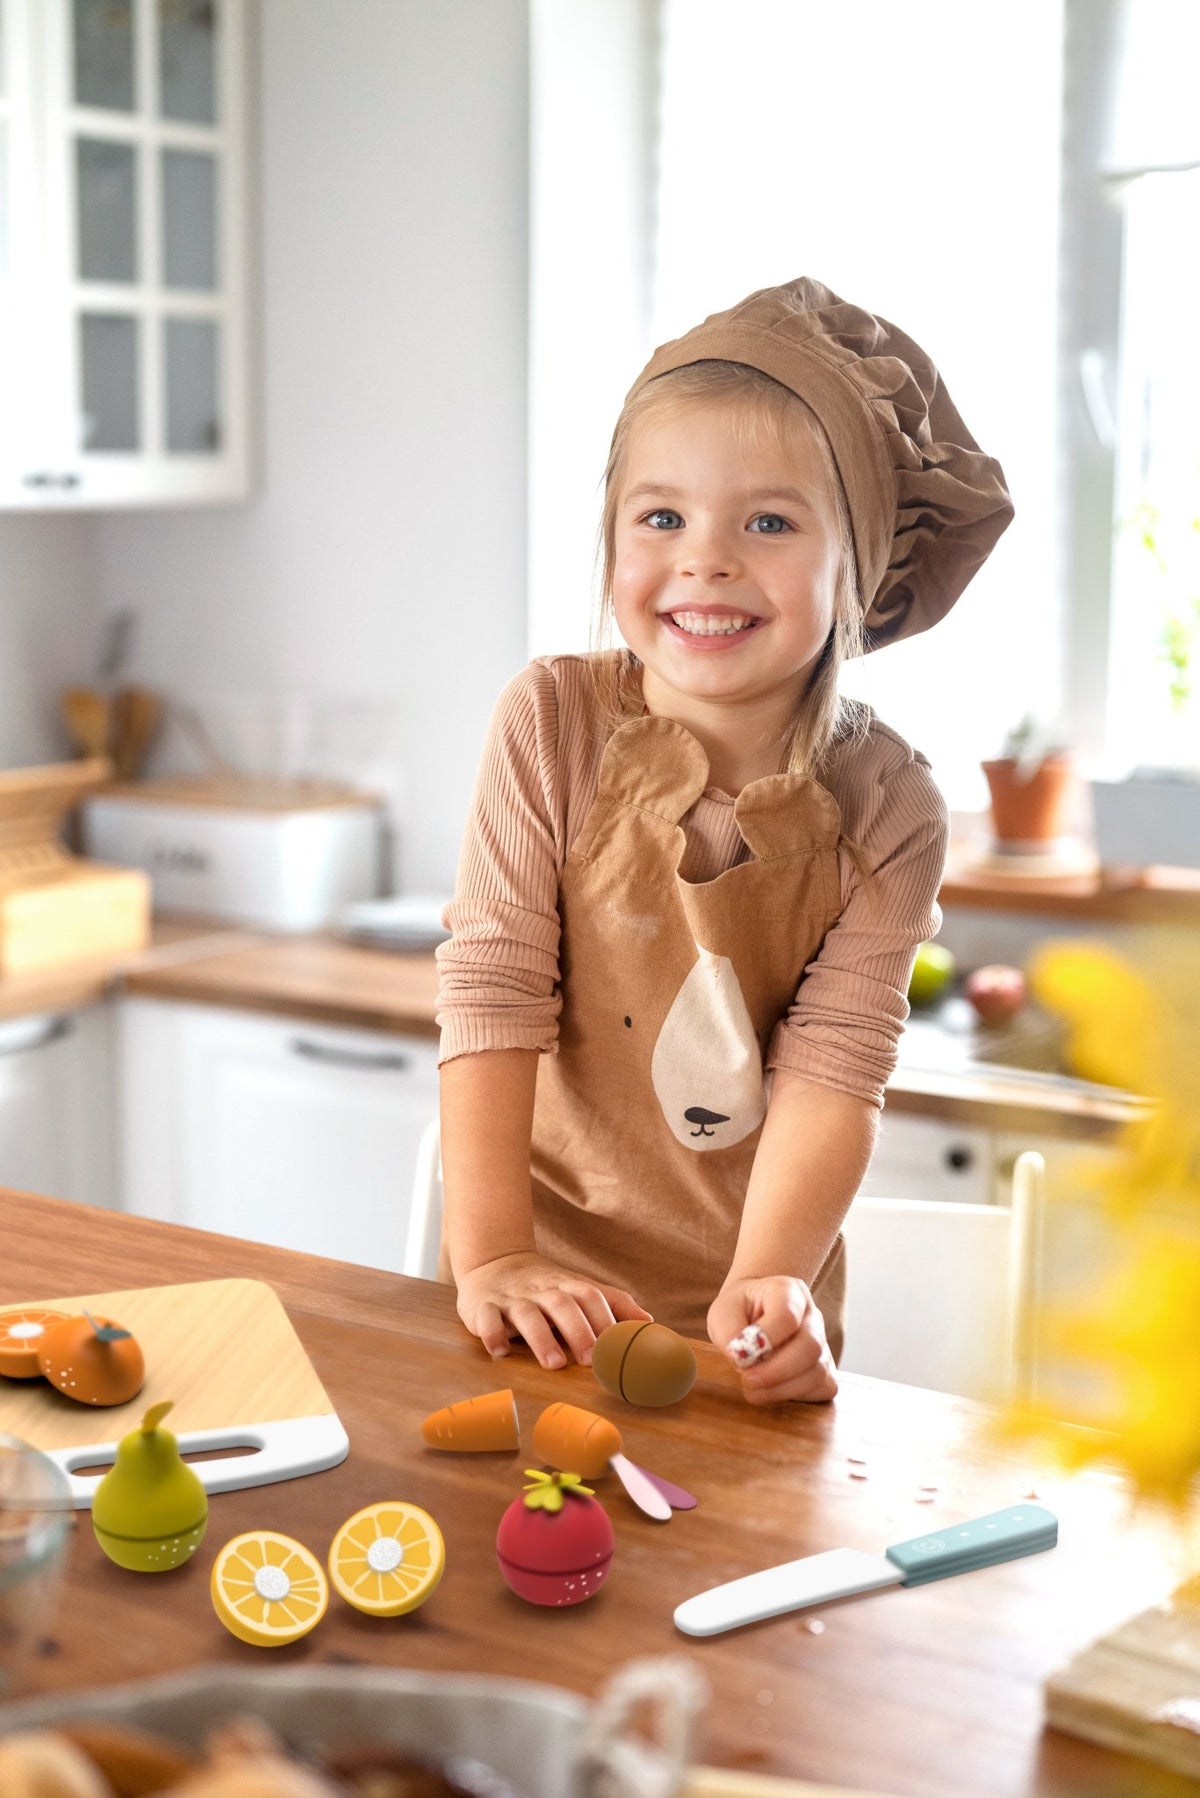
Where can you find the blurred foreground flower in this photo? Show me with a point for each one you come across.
(1119, 1365)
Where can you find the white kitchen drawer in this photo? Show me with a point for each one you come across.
(56, 1105)
(278, 1130)
(922, 1158)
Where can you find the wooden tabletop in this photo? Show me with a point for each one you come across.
(929, 1691)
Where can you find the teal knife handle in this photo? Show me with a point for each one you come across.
(961, 1548)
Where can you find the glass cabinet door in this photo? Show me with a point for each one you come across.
(20, 419)
(143, 160)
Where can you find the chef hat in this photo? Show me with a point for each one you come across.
(926, 505)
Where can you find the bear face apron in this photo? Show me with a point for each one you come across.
(648, 1116)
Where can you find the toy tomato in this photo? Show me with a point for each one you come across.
(555, 1543)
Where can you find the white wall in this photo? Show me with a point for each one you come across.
(383, 557)
(48, 596)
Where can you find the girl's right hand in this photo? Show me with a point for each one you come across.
(528, 1296)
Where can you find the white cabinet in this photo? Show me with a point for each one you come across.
(56, 1105)
(924, 1158)
(122, 253)
(277, 1130)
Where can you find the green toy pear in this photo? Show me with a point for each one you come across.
(150, 1510)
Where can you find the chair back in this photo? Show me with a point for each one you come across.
(424, 1240)
(943, 1294)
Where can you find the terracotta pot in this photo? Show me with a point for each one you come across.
(1029, 807)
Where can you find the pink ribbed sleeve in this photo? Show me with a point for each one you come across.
(851, 1006)
(499, 971)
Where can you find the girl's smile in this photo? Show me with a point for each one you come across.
(726, 564)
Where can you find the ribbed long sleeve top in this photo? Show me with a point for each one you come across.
(499, 972)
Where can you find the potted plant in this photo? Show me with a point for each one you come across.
(1030, 786)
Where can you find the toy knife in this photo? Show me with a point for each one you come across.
(960, 1548)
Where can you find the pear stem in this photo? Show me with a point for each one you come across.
(155, 1415)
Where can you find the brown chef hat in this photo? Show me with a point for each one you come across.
(926, 505)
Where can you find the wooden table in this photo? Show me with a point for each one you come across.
(929, 1691)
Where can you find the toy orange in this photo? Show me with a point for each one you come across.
(474, 1424)
(92, 1359)
(21, 1336)
(387, 1559)
(268, 1589)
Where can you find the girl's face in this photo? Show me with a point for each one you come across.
(726, 560)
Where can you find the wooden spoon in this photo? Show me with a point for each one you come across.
(88, 716)
(136, 716)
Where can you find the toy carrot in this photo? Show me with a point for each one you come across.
(579, 1441)
(567, 1436)
(474, 1424)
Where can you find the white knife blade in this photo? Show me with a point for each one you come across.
(641, 1489)
(841, 1572)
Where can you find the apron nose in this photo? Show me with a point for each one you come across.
(696, 1114)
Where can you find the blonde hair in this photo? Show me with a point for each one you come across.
(824, 720)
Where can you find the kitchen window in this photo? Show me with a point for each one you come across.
(1154, 686)
(955, 168)
(1151, 172)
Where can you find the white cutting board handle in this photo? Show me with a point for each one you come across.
(285, 1450)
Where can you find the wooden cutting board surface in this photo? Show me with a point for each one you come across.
(1138, 1688)
(225, 1352)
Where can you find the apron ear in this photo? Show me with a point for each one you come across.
(656, 765)
(787, 814)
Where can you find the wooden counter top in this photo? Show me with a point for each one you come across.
(931, 1692)
(325, 980)
(315, 977)
(71, 984)
(1169, 896)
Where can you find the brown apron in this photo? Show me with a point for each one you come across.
(648, 1116)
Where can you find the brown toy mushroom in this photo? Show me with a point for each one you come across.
(643, 1363)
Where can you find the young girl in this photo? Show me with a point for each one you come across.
(693, 881)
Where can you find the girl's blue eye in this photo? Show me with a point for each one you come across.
(772, 524)
(664, 512)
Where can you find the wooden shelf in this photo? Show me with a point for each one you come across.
(1111, 895)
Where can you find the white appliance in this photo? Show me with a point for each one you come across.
(277, 854)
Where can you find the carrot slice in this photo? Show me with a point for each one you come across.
(474, 1424)
(575, 1440)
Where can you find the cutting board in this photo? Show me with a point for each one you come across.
(1138, 1688)
(226, 1353)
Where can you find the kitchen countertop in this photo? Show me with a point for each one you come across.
(1150, 896)
(932, 1692)
(324, 979)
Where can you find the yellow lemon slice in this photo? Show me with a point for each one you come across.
(267, 1589)
(387, 1558)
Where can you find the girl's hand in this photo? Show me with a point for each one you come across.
(799, 1365)
(526, 1295)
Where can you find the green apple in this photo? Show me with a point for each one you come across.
(932, 973)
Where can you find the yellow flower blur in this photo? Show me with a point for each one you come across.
(1123, 1361)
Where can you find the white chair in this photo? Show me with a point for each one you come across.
(424, 1239)
(942, 1294)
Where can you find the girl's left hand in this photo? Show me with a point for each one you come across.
(799, 1365)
